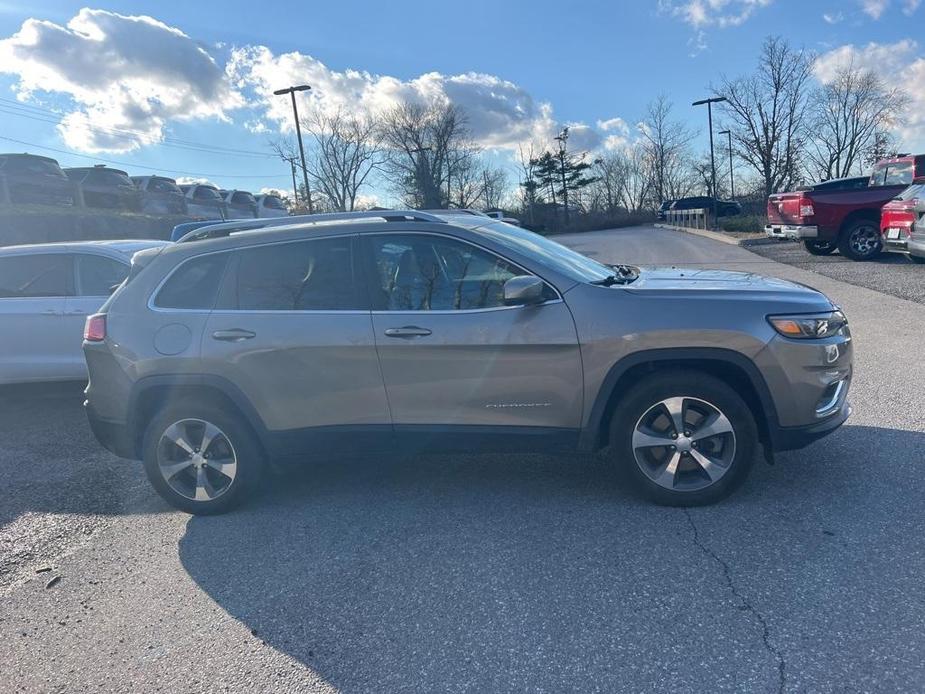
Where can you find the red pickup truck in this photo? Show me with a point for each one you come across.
(842, 214)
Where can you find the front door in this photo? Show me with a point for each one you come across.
(453, 354)
(292, 331)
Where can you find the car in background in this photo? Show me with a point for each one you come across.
(847, 219)
(663, 209)
(31, 179)
(724, 208)
(46, 292)
(240, 203)
(204, 201)
(105, 188)
(270, 205)
(160, 195)
(913, 211)
(499, 215)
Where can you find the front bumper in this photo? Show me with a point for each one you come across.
(794, 438)
(791, 231)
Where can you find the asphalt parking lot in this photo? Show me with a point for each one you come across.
(484, 573)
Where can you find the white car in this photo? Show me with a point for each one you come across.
(269, 205)
(46, 292)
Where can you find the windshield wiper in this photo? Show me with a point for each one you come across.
(625, 274)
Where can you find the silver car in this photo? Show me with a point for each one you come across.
(401, 330)
(46, 292)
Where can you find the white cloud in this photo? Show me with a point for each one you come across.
(193, 181)
(704, 13)
(900, 64)
(910, 6)
(123, 74)
(874, 8)
(832, 17)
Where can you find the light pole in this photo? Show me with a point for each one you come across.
(709, 102)
(298, 131)
(732, 183)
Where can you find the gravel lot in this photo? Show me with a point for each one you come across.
(483, 573)
(891, 273)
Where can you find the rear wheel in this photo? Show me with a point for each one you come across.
(684, 438)
(816, 247)
(201, 458)
(861, 240)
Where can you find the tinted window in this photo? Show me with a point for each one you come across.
(313, 275)
(97, 275)
(893, 174)
(41, 274)
(243, 198)
(195, 283)
(273, 203)
(430, 273)
(205, 193)
(162, 185)
(32, 165)
(101, 177)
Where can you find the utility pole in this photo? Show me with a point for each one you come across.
(298, 130)
(709, 102)
(295, 186)
(732, 183)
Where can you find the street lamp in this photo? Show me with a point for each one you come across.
(732, 183)
(709, 102)
(298, 130)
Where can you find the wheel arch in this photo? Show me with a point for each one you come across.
(866, 214)
(733, 368)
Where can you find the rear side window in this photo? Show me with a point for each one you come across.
(160, 185)
(273, 202)
(194, 284)
(206, 193)
(315, 275)
(98, 275)
(38, 275)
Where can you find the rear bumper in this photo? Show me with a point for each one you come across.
(791, 231)
(114, 436)
(794, 438)
(916, 245)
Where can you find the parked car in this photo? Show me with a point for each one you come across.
(898, 216)
(915, 243)
(241, 204)
(160, 195)
(31, 179)
(663, 209)
(499, 214)
(724, 208)
(46, 292)
(403, 330)
(106, 188)
(847, 219)
(270, 205)
(203, 201)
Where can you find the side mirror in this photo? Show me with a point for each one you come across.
(523, 290)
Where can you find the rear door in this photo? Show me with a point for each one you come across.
(453, 354)
(96, 275)
(292, 331)
(33, 292)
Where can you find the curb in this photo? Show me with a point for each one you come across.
(715, 235)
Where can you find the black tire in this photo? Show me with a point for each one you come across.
(861, 240)
(239, 439)
(917, 259)
(698, 390)
(816, 247)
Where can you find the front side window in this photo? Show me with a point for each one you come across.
(315, 275)
(39, 275)
(206, 193)
(194, 285)
(419, 272)
(243, 198)
(273, 202)
(98, 275)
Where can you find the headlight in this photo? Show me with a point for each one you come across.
(810, 327)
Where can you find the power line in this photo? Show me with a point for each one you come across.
(139, 166)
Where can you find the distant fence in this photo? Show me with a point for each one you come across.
(691, 219)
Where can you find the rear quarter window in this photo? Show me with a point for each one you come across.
(194, 284)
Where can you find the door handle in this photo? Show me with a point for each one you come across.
(233, 335)
(407, 331)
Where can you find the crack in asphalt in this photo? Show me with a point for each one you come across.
(745, 605)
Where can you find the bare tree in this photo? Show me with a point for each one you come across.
(851, 113)
(345, 149)
(426, 147)
(766, 112)
(666, 144)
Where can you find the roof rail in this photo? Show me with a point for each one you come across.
(221, 229)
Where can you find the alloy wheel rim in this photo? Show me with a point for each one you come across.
(684, 444)
(196, 459)
(864, 240)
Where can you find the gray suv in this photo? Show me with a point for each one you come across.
(371, 332)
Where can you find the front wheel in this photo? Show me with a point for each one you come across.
(819, 247)
(861, 241)
(685, 438)
(201, 458)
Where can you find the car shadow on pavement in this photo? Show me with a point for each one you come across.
(498, 573)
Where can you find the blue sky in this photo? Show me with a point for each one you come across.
(538, 65)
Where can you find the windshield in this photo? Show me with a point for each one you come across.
(553, 255)
(895, 173)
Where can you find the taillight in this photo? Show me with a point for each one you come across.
(95, 328)
(806, 207)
